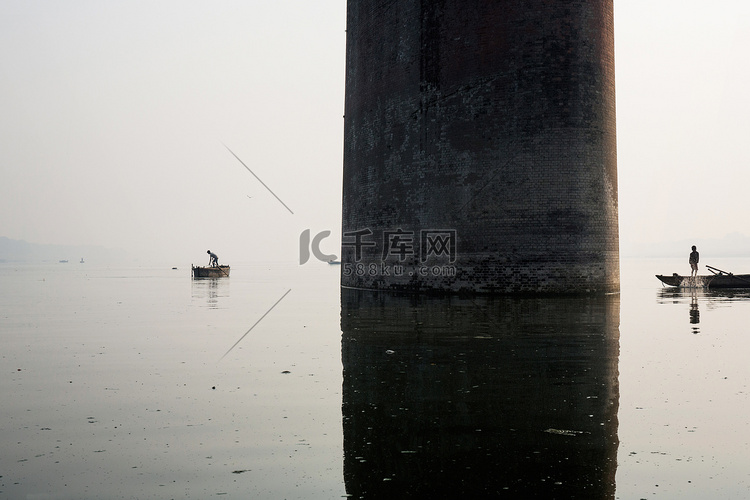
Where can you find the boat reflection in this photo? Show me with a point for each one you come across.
(210, 289)
(694, 296)
(676, 295)
(465, 398)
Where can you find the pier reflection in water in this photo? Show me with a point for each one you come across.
(451, 397)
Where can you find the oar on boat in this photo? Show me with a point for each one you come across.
(719, 272)
(716, 270)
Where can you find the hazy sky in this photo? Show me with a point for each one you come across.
(113, 117)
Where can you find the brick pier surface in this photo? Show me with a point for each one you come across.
(479, 146)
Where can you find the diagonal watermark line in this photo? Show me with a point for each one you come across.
(264, 184)
(479, 308)
(492, 177)
(255, 324)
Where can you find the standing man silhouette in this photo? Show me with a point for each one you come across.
(694, 262)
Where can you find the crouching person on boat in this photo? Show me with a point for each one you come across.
(213, 259)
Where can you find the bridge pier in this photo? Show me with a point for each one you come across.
(479, 147)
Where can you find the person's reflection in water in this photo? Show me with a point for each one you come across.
(695, 314)
(454, 398)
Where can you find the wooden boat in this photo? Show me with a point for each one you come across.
(719, 279)
(211, 272)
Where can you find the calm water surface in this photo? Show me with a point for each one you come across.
(143, 383)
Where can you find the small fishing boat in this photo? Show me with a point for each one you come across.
(211, 272)
(719, 279)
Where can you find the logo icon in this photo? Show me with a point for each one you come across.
(305, 246)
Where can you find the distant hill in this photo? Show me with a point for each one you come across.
(731, 245)
(23, 251)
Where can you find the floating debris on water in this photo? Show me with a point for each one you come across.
(564, 432)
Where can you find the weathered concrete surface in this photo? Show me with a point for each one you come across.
(480, 148)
